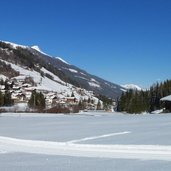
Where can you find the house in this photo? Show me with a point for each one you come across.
(19, 78)
(71, 100)
(18, 97)
(167, 102)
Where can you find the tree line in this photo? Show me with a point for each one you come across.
(134, 101)
(37, 101)
(5, 99)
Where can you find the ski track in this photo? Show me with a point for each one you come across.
(142, 152)
(97, 137)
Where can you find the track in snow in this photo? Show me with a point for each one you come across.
(97, 137)
(144, 152)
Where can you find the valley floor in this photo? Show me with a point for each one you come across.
(85, 141)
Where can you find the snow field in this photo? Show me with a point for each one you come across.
(143, 152)
(97, 141)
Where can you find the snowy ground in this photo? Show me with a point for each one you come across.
(87, 141)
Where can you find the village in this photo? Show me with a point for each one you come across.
(22, 86)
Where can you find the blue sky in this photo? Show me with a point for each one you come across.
(123, 41)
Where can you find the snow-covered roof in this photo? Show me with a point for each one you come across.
(167, 98)
(70, 98)
(20, 77)
(26, 84)
(3, 77)
(2, 87)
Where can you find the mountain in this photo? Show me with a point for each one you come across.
(132, 87)
(34, 60)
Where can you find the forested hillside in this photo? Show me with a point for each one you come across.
(144, 101)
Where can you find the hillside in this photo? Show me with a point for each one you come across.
(34, 60)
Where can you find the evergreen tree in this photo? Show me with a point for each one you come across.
(144, 101)
(1, 99)
(92, 101)
(32, 101)
(40, 101)
(1, 82)
(7, 99)
(89, 100)
(81, 105)
(7, 86)
(107, 102)
(72, 95)
(37, 101)
(99, 105)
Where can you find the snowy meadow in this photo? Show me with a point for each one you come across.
(85, 141)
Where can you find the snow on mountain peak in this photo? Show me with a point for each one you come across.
(37, 48)
(132, 87)
(14, 45)
(62, 60)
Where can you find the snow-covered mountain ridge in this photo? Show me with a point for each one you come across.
(35, 59)
(132, 87)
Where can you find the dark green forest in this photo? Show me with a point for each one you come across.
(144, 101)
(5, 99)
